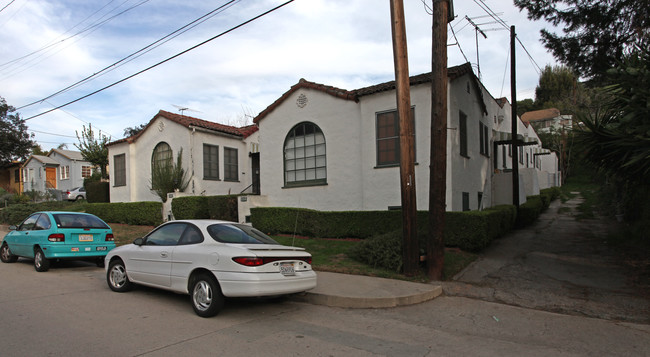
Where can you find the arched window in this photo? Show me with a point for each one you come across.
(305, 160)
(161, 157)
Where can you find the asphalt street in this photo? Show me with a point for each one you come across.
(551, 290)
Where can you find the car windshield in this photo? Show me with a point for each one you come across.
(238, 233)
(71, 220)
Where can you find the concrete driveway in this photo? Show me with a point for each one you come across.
(560, 265)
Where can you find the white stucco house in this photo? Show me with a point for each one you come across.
(327, 148)
(219, 159)
(60, 170)
(331, 149)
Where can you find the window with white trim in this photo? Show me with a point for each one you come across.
(305, 160)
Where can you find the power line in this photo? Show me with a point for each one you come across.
(6, 6)
(141, 51)
(166, 60)
(89, 29)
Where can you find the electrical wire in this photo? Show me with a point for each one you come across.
(88, 30)
(6, 6)
(141, 51)
(166, 60)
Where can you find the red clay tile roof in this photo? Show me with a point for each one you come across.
(540, 115)
(452, 73)
(188, 122)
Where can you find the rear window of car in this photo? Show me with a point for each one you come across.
(238, 233)
(65, 220)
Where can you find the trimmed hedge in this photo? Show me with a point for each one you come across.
(472, 230)
(16, 213)
(97, 192)
(530, 210)
(206, 207)
(136, 213)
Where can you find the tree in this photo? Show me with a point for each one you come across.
(168, 177)
(597, 34)
(132, 131)
(38, 150)
(93, 150)
(526, 105)
(16, 141)
(616, 137)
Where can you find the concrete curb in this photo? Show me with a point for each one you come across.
(363, 292)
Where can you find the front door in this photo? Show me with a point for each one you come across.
(50, 177)
(255, 160)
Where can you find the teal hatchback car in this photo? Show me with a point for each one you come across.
(49, 236)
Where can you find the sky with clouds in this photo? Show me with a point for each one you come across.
(49, 45)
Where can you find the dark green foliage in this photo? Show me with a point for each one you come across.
(529, 211)
(168, 177)
(191, 207)
(135, 213)
(381, 251)
(16, 213)
(206, 207)
(472, 230)
(97, 192)
(616, 139)
(93, 149)
(16, 141)
(596, 34)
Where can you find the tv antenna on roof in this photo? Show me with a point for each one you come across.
(182, 109)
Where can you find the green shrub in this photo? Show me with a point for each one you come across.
(206, 207)
(136, 213)
(191, 207)
(529, 211)
(97, 191)
(16, 213)
(381, 251)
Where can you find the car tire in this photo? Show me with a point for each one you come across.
(41, 263)
(79, 198)
(5, 254)
(205, 292)
(116, 277)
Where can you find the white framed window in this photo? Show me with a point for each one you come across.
(305, 161)
(64, 172)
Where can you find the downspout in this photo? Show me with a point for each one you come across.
(192, 157)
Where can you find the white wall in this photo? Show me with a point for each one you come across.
(339, 121)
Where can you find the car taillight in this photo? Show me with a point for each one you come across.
(110, 237)
(254, 262)
(56, 237)
(248, 261)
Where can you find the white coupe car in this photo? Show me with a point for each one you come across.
(208, 260)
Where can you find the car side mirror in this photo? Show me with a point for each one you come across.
(138, 241)
(12, 228)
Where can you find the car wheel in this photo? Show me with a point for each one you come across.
(79, 198)
(116, 277)
(41, 263)
(207, 299)
(5, 254)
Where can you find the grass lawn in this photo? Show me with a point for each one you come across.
(328, 254)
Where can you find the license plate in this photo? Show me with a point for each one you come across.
(85, 237)
(101, 248)
(287, 269)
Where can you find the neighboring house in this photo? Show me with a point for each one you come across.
(60, 170)
(10, 179)
(546, 119)
(39, 173)
(72, 170)
(219, 159)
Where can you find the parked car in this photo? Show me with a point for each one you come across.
(75, 194)
(48, 236)
(210, 260)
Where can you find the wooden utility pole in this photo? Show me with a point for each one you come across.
(438, 154)
(515, 121)
(407, 150)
